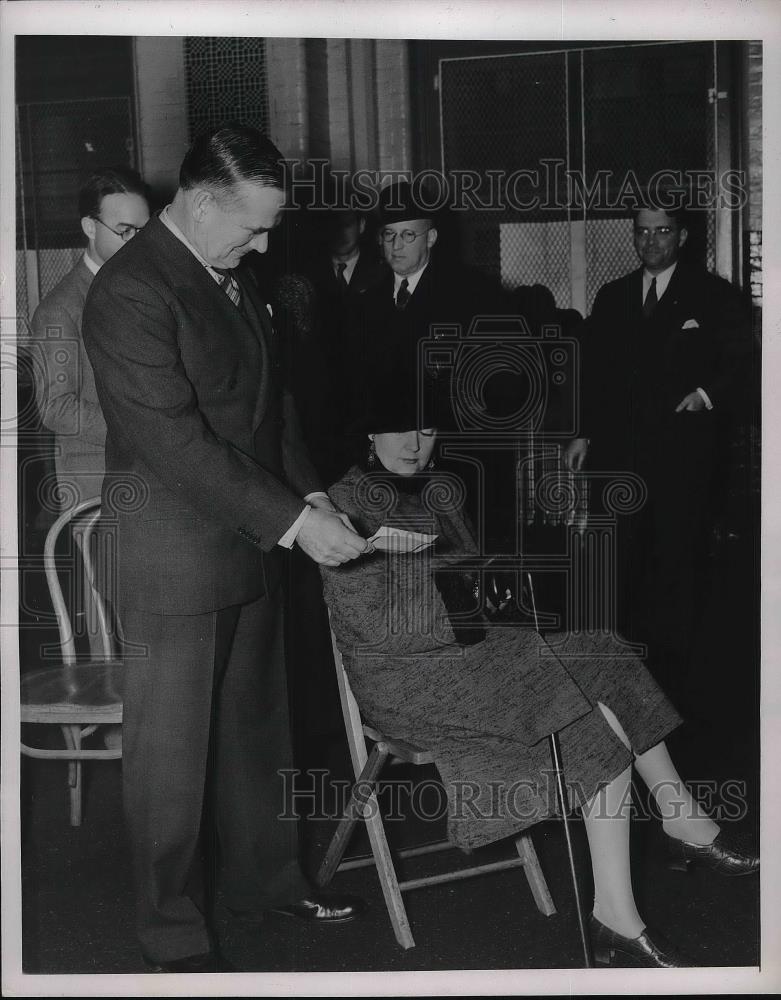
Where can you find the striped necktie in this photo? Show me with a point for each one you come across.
(341, 267)
(229, 285)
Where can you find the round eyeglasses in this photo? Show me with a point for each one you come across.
(127, 232)
(406, 235)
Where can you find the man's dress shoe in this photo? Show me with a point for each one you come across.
(722, 856)
(317, 908)
(208, 962)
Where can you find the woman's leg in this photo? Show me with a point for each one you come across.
(682, 817)
(606, 818)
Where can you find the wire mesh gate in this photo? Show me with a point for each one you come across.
(568, 132)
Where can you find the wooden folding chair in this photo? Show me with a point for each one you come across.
(363, 805)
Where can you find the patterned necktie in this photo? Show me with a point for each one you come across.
(340, 278)
(650, 300)
(403, 295)
(230, 286)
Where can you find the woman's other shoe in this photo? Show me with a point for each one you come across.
(649, 950)
(728, 856)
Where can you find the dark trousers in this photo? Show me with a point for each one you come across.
(208, 700)
(661, 546)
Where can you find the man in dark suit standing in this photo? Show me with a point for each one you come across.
(665, 351)
(341, 267)
(208, 482)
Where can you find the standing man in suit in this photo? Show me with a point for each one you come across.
(340, 268)
(113, 207)
(665, 352)
(200, 426)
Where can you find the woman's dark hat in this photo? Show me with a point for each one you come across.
(392, 407)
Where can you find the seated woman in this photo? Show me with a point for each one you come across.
(483, 698)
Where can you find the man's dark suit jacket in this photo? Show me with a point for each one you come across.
(199, 426)
(385, 341)
(636, 372)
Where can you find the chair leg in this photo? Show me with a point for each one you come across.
(367, 807)
(387, 874)
(534, 875)
(354, 811)
(72, 736)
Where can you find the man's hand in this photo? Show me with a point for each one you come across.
(575, 454)
(321, 501)
(326, 539)
(693, 402)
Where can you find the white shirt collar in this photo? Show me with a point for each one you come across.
(92, 265)
(412, 280)
(168, 222)
(662, 280)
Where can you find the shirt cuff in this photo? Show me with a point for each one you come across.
(316, 493)
(287, 540)
(706, 398)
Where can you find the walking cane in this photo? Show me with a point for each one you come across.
(555, 750)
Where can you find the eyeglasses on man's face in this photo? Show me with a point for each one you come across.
(125, 232)
(406, 235)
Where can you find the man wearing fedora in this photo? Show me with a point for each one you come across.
(424, 294)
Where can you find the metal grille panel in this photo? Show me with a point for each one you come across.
(226, 81)
(61, 144)
(644, 108)
(504, 114)
(531, 250)
(610, 252)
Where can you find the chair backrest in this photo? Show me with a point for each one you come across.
(86, 515)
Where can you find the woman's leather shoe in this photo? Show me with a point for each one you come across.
(720, 856)
(647, 950)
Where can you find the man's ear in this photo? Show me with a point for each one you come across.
(200, 203)
(88, 227)
(362, 226)
(683, 235)
(431, 237)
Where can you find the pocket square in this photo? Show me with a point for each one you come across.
(691, 324)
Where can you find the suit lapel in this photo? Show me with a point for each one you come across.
(661, 322)
(257, 317)
(189, 276)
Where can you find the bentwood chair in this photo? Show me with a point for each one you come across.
(363, 804)
(75, 695)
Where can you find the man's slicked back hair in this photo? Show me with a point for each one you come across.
(225, 156)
